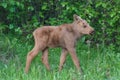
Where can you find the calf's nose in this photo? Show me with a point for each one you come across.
(92, 32)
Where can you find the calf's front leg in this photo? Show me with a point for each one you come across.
(73, 55)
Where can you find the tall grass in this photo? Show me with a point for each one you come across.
(98, 63)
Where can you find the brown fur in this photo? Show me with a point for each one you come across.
(64, 36)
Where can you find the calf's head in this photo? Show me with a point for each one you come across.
(82, 26)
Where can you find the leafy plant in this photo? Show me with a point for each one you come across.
(100, 14)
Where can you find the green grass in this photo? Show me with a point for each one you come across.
(98, 63)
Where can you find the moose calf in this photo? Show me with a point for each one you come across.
(64, 36)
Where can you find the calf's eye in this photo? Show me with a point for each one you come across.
(84, 26)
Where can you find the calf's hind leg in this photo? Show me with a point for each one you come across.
(62, 58)
(45, 58)
(39, 46)
(30, 57)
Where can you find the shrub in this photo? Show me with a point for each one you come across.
(23, 16)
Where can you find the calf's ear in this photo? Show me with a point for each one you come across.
(76, 17)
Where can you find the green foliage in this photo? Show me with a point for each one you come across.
(102, 15)
(99, 63)
(18, 19)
